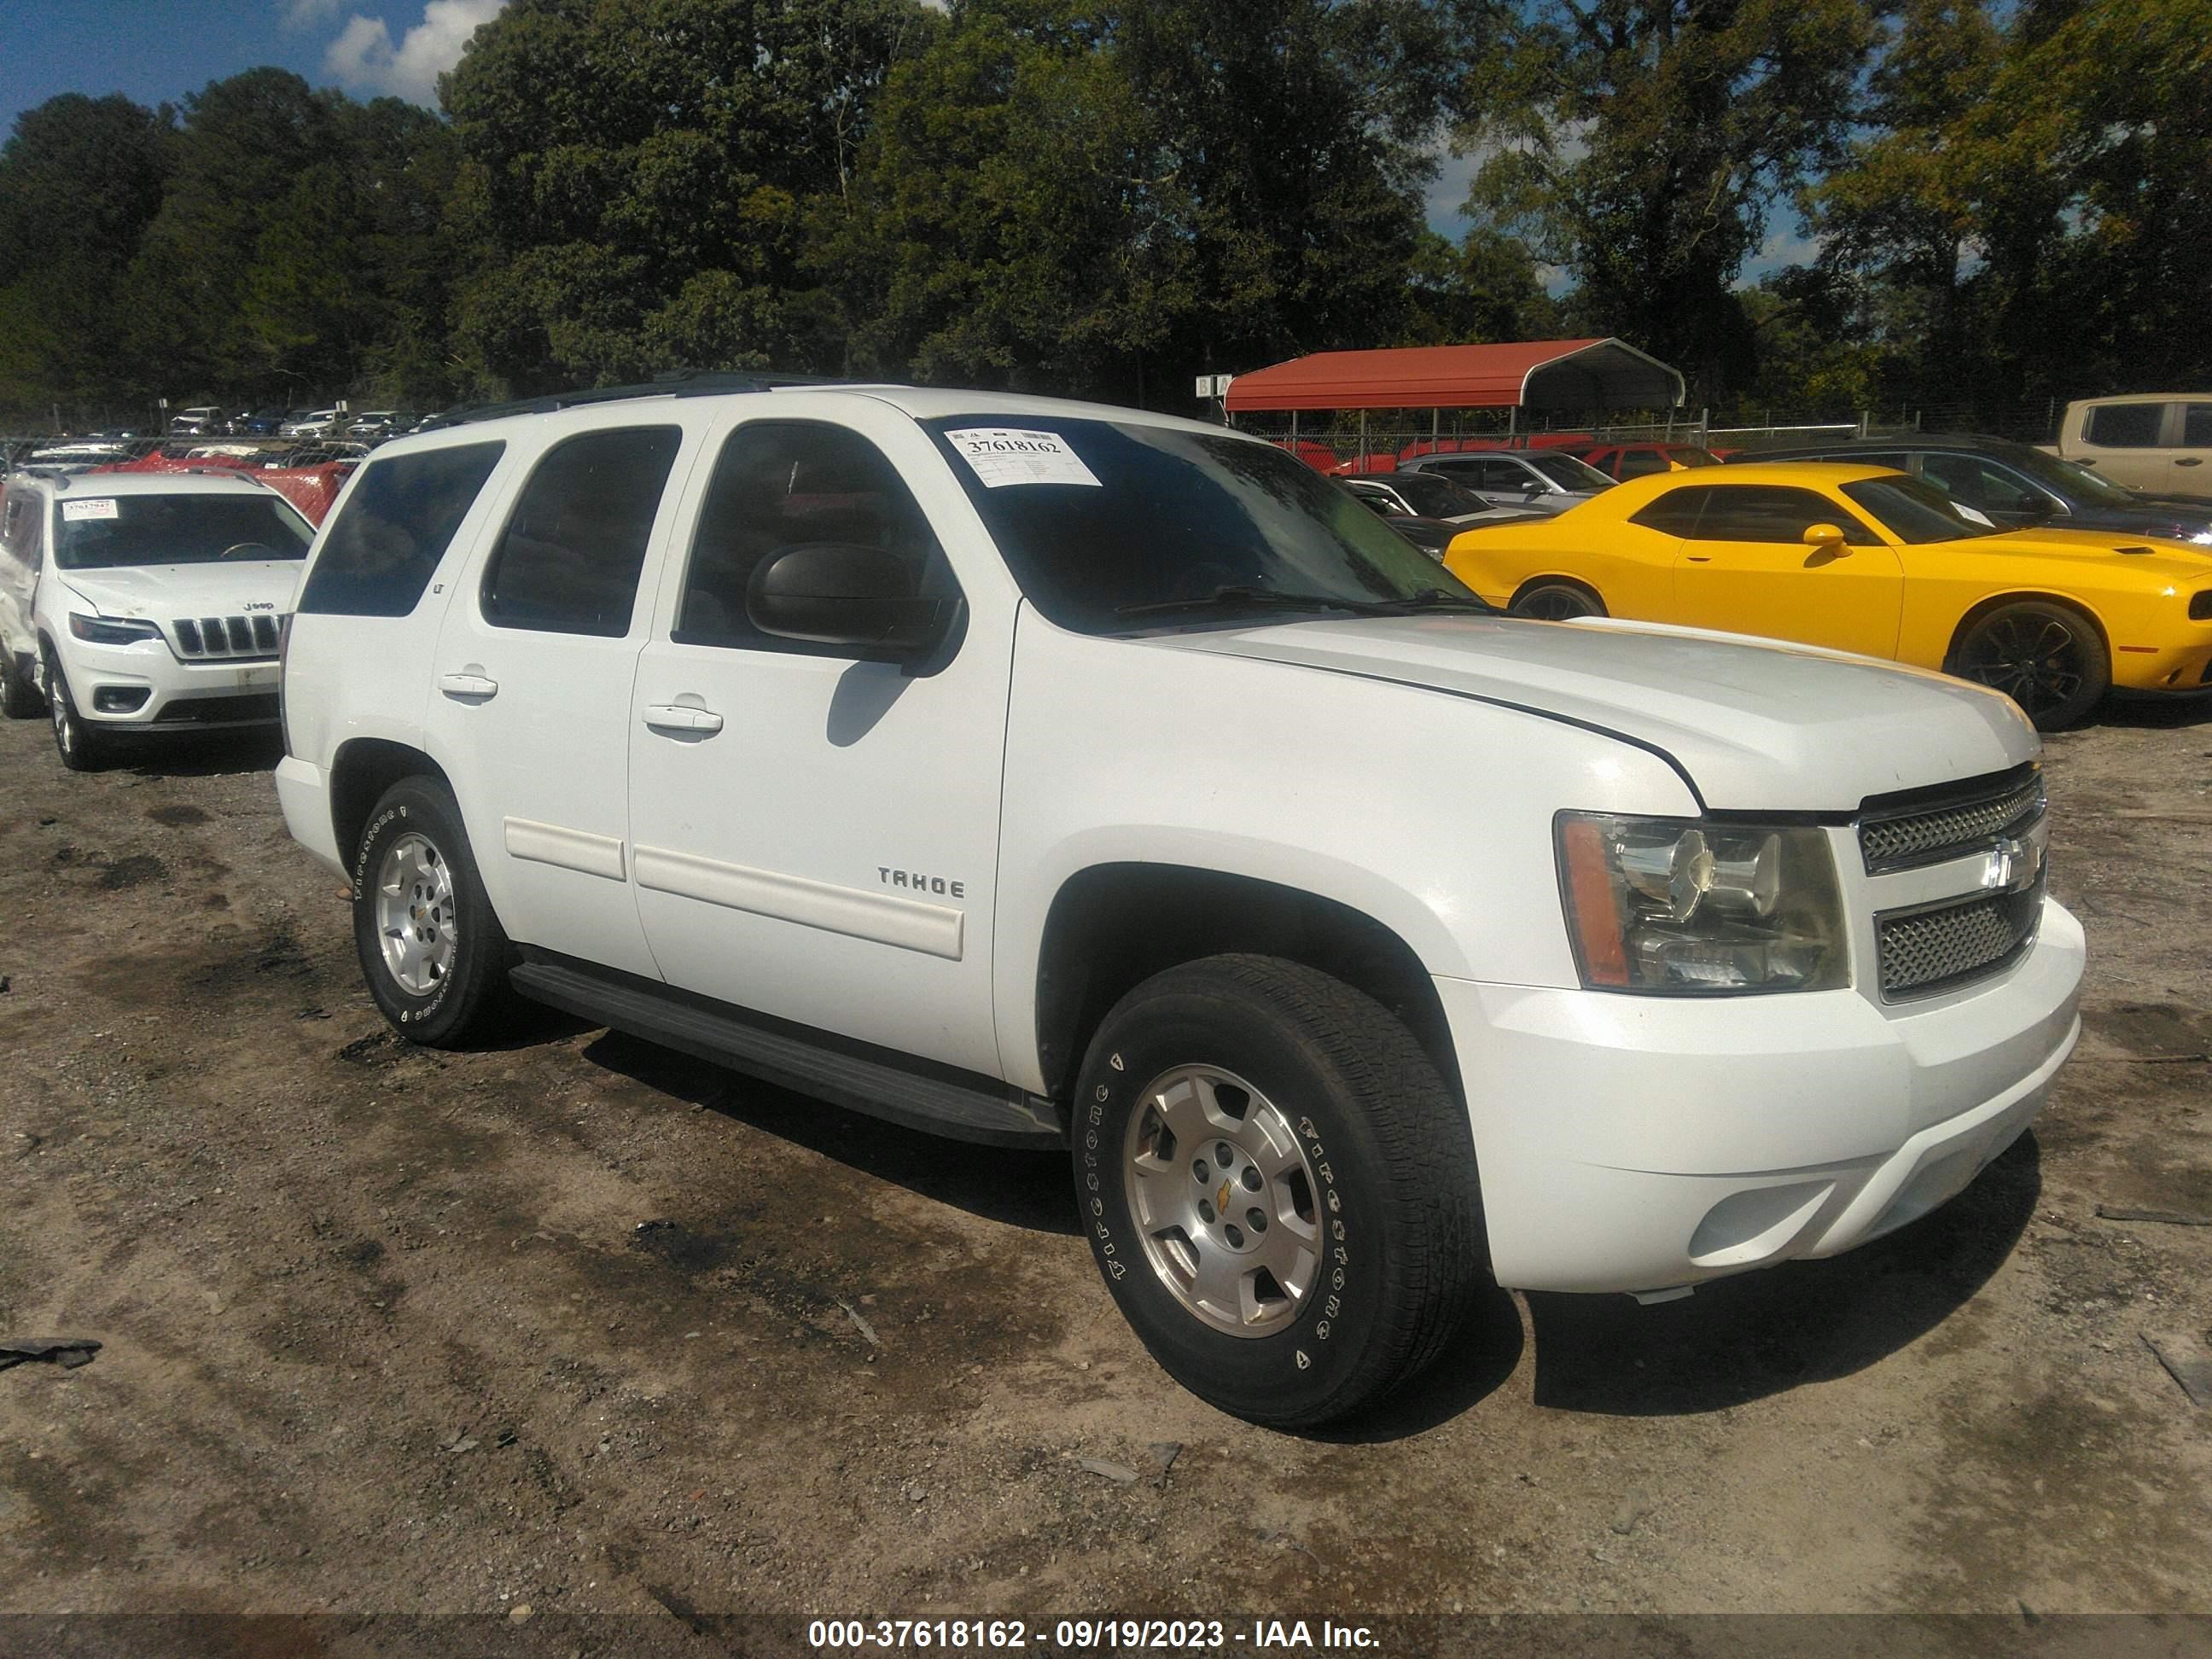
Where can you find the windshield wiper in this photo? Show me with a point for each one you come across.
(1429, 598)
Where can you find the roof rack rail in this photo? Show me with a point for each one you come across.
(687, 383)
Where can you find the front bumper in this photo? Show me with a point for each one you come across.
(1631, 1143)
(179, 696)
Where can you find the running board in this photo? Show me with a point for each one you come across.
(988, 1115)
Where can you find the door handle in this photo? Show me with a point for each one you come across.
(468, 686)
(2191, 460)
(676, 717)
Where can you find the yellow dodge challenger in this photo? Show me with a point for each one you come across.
(1864, 559)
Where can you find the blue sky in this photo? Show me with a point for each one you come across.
(157, 51)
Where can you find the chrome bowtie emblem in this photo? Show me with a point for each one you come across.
(2011, 866)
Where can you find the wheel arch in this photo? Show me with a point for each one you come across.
(361, 771)
(1995, 602)
(1112, 925)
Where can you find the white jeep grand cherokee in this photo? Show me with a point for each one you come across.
(144, 603)
(1043, 773)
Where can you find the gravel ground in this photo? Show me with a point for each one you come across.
(578, 1325)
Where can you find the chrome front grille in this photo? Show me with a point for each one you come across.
(1928, 832)
(1936, 947)
(234, 637)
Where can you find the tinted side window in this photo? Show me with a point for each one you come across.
(396, 526)
(1676, 512)
(1771, 513)
(780, 484)
(569, 560)
(1975, 482)
(2125, 426)
(1642, 464)
(2197, 426)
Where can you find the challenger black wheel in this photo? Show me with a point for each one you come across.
(1278, 1186)
(1555, 602)
(434, 954)
(2047, 659)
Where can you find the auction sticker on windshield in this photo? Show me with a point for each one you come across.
(100, 507)
(1005, 455)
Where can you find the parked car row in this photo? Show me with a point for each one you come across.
(1049, 776)
(1868, 559)
(369, 426)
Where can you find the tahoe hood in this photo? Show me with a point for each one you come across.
(1755, 725)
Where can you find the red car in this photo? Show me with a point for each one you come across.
(1638, 460)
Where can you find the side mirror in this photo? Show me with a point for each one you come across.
(861, 597)
(1824, 537)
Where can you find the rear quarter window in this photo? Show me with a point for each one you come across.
(394, 528)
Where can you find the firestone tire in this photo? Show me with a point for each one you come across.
(1238, 1115)
(433, 953)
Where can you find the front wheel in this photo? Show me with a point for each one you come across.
(82, 747)
(1555, 602)
(434, 954)
(2047, 659)
(1278, 1186)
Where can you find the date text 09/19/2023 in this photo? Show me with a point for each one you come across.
(1088, 1635)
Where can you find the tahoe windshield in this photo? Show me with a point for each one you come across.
(1915, 512)
(1114, 527)
(100, 533)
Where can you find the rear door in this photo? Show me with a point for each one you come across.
(2129, 443)
(1747, 568)
(2191, 473)
(530, 702)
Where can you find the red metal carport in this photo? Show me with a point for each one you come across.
(1592, 374)
(1546, 374)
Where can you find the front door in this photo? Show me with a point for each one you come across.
(817, 836)
(531, 691)
(1748, 569)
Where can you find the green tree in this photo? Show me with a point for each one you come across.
(1485, 287)
(1641, 144)
(639, 177)
(80, 178)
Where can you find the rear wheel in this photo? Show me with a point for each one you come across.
(1555, 601)
(434, 954)
(2047, 659)
(1278, 1186)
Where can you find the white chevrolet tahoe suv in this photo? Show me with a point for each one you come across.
(144, 603)
(1048, 773)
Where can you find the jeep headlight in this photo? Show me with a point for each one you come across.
(1689, 907)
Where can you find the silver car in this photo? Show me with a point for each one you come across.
(1534, 480)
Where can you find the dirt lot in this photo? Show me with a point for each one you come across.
(579, 1325)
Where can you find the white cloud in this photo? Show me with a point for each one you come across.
(309, 14)
(363, 59)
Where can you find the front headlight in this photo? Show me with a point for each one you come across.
(111, 630)
(1683, 907)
